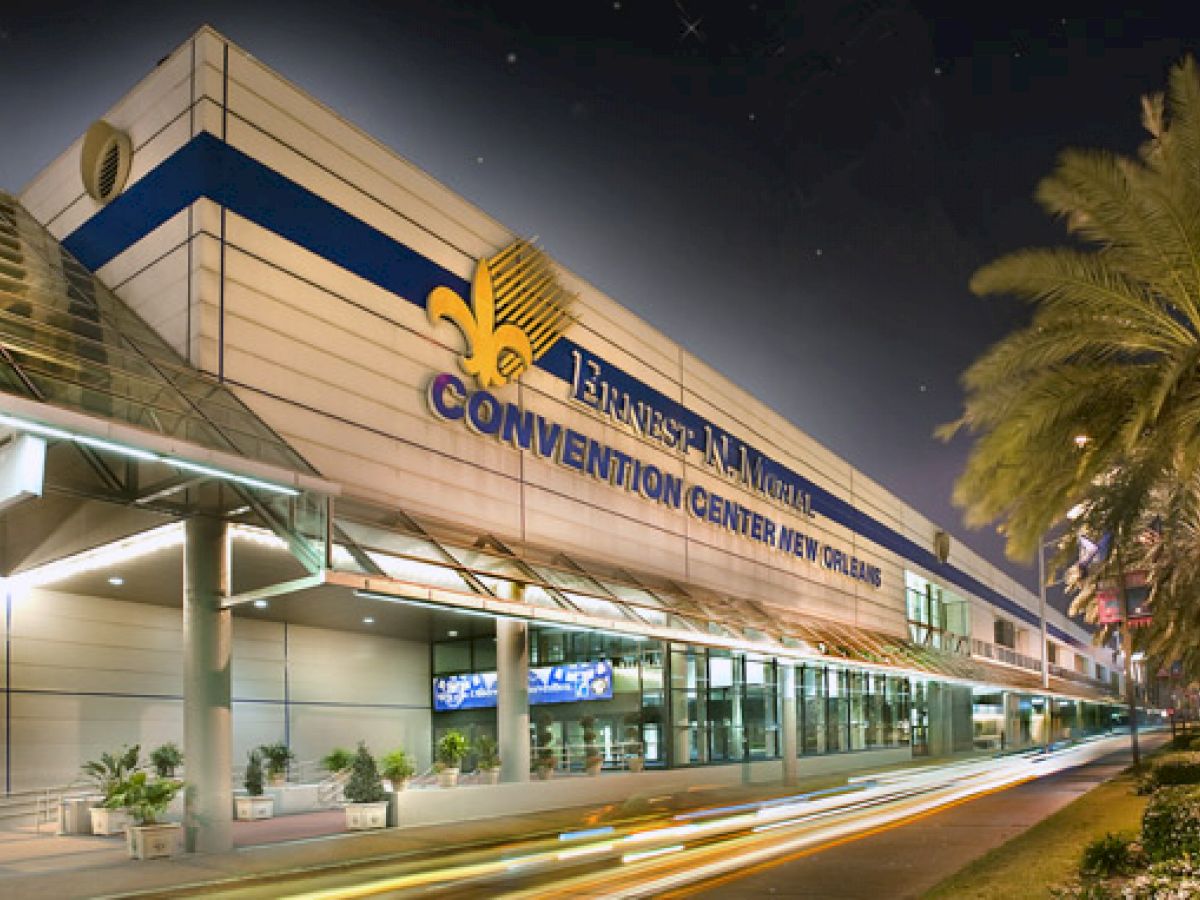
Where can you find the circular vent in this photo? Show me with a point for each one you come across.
(104, 162)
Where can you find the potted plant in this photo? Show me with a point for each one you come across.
(107, 774)
(277, 756)
(147, 799)
(488, 754)
(367, 801)
(593, 757)
(634, 748)
(166, 759)
(450, 751)
(543, 761)
(397, 768)
(254, 805)
(337, 760)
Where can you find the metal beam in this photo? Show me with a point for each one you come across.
(274, 590)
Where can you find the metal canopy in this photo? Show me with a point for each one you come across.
(126, 417)
(415, 563)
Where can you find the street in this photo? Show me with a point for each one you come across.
(894, 835)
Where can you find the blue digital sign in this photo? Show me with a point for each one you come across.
(568, 683)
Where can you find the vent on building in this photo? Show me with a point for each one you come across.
(105, 160)
(941, 546)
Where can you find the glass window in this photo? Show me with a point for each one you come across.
(1005, 633)
(453, 657)
(811, 696)
(837, 711)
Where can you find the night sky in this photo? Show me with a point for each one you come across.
(797, 193)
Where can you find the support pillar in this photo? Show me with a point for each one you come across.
(512, 700)
(941, 720)
(207, 705)
(789, 747)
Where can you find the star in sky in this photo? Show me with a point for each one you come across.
(691, 27)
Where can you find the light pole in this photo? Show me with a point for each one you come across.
(1042, 613)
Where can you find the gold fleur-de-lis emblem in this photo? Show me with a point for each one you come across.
(517, 311)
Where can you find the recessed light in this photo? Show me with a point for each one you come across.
(368, 620)
(116, 581)
(260, 604)
(452, 634)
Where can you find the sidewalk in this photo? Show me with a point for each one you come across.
(50, 866)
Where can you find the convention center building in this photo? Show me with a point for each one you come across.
(300, 446)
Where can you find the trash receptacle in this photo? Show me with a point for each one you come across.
(74, 814)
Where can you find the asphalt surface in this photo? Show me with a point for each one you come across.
(907, 860)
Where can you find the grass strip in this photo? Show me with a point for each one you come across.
(1048, 854)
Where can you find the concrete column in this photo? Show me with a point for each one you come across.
(789, 747)
(512, 700)
(207, 708)
(941, 722)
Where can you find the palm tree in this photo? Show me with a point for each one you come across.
(1106, 376)
(1098, 398)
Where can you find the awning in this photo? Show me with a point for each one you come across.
(125, 417)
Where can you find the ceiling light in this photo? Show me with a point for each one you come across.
(260, 604)
(116, 581)
(368, 620)
(451, 634)
(106, 557)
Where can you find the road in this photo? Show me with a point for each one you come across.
(892, 836)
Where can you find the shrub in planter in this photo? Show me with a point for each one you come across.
(106, 775)
(147, 799)
(634, 748)
(339, 759)
(593, 758)
(277, 757)
(544, 761)
(255, 805)
(1171, 823)
(397, 768)
(166, 759)
(367, 800)
(451, 749)
(487, 753)
(1112, 854)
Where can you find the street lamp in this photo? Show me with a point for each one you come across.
(1042, 613)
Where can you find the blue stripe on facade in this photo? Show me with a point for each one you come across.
(208, 167)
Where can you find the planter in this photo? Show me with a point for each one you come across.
(447, 777)
(489, 776)
(279, 780)
(154, 841)
(635, 763)
(544, 773)
(398, 786)
(593, 766)
(247, 809)
(109, 821)
(366, 816)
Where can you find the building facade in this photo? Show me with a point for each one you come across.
(418, 477)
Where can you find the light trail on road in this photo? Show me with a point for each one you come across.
(667, 857)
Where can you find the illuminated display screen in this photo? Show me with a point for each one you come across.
(568, 683)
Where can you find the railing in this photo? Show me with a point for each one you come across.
(1020, 660)
(36, 806)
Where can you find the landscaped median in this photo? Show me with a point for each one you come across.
(1136, 837)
